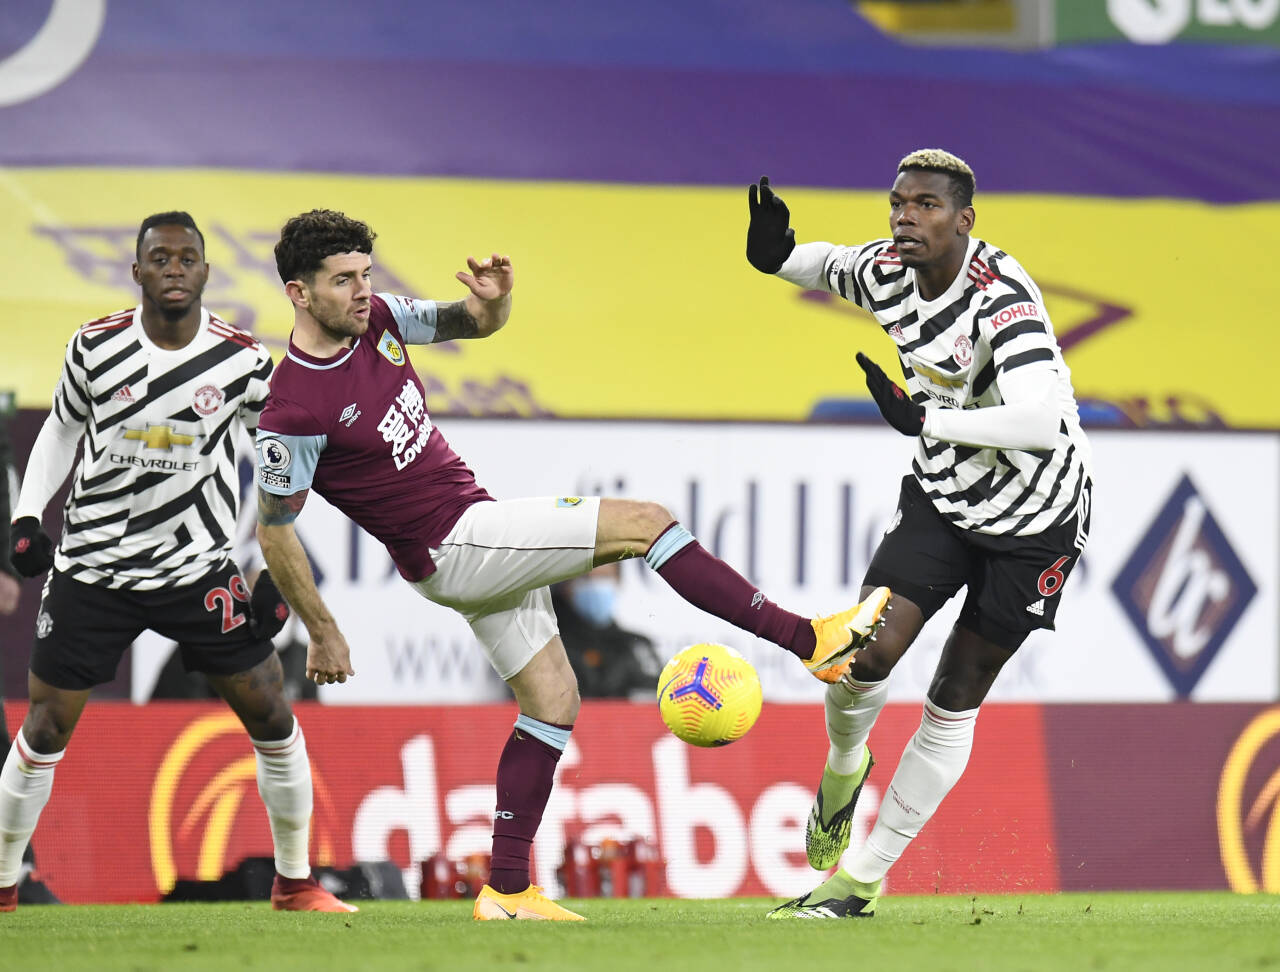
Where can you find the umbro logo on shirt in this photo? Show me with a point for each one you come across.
(1036, 608)
(350, 414)
(122, 394)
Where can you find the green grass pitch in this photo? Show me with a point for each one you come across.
(1122, 932)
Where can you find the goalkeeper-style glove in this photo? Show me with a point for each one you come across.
(895, 405)
(770, 238)
(268, 610)
(30, 549)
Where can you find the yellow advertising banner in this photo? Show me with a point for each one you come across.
(637, 301)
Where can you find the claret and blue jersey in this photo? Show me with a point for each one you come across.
(355, 428)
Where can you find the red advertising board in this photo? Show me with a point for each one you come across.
(147, 795)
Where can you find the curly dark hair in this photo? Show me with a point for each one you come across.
(307, 239)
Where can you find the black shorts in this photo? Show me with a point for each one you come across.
(1014, 582)
(82, 629)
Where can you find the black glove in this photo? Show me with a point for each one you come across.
(895, 405)
(770, 238)
(268, 611)
(30, 549)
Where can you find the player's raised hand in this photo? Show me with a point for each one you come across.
(30, 548)
(490, 278)
(770, 238)
(328, 657)
(895, 405)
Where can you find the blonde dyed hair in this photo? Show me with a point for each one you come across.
(963, 182)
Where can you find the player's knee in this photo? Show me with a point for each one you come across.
(45, 730)
(568, 702)
(652, 519)
(272, 719)
(870, 665)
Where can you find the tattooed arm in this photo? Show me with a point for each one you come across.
(486, 308)
(328, 655)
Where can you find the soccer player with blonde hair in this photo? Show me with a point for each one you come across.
(997, 500)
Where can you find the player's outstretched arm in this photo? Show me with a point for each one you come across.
(487, 307)
(328, 655)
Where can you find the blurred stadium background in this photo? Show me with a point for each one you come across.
(1125, 153)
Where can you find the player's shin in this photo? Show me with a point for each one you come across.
(526, 770)
(284, 782)
(930, 766)
(25, 784)
(852, 709)
(707, 582)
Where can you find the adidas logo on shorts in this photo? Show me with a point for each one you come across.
(1036, 608)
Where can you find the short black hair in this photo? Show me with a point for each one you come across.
(953, 167)
(307, 239)
(174, 217)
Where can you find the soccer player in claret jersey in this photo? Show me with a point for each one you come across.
(347, 417)
(997, 499)
(159, 393)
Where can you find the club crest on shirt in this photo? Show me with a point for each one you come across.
(563, 501)
(963, 353)
(208, 399)
(390, 349)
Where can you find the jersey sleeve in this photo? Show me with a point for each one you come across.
(416, 319)
(54, 451)
(288, 444)
(71, 397)
(846, 271)
(1029, 419)
(255, 396)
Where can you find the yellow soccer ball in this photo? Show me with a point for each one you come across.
(709, 695)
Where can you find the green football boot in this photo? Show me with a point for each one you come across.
(826, 832)
(839, 896)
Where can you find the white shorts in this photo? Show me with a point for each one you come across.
(495, 565)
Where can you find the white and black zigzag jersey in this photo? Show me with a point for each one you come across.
(153, 500)
(954, 352)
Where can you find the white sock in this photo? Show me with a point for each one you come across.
(852, 709)
(25, 784)
(930, 766)
(284, 782)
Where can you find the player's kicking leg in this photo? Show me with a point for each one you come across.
(825, 645)
(284, 782)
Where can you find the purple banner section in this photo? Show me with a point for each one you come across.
(638, 125)
(708, 92)
(1171, 796)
